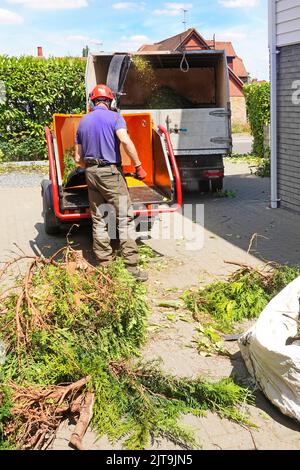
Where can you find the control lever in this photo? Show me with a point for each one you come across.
(175, 129)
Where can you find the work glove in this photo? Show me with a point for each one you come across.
(140, 172)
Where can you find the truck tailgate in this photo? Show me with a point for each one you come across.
(195, 131)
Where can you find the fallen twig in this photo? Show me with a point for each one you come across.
(84, 420)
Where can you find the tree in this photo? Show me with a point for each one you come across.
(85, 51)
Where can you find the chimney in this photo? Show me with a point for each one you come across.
(40, 51)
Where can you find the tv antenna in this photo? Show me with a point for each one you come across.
(184, 17)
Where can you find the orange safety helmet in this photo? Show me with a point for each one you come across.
(101, 91)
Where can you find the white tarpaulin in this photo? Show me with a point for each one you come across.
(271, 362)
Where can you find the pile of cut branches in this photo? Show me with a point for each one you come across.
(243, 296)
(71, 333)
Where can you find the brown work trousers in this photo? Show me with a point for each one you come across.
(108, 193)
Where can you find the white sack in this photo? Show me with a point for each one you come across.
(274, 365)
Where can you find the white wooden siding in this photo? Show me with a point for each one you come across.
(287, 22)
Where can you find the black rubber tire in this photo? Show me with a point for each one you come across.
(51, 224)
(217, 185)
(204, 186)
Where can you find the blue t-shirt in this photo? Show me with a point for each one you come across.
(97, 135)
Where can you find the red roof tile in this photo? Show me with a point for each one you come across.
(239, 67)
(173, 43)
(223, 46)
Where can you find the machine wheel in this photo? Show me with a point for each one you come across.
(217, 185)
(204, 186)
(50, 221)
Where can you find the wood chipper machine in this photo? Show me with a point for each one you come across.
(66, 202)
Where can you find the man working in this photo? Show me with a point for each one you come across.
(98, 140)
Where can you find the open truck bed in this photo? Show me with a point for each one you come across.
(193, 106)
(160, 192)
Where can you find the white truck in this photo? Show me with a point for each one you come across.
(197, 116)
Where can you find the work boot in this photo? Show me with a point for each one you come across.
(139, 275)
(103, 264)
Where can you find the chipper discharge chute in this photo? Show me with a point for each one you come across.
(65, 198)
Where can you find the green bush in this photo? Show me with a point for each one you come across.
(30, 149)
(258, 112)
(35, 90)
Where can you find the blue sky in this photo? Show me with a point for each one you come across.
(64, 26)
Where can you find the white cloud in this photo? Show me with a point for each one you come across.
(76, 39)
(130, 6)
(131, 43)
(138, 37)
(51, 4)
(234, 34)
(173, 9)
(9, 17)
(239, 3)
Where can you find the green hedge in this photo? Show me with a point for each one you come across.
(258, 112)
(35, 90)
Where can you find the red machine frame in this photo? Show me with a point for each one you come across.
(149, 212)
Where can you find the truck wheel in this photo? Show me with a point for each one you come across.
(50, 221)
(217, 185)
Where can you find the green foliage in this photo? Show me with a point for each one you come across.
(167, 98)
(145, 72)
(258, 111)
(146, 255)
(35, 90)
(69, 164)
(152, 403)
(85, 51)
(243, 158)
(226, 193)
(74, 323)
(243, 296)
(5, 414)
(260, 166)
(264, 168)
(238, 128)
(209, 342)
(29, 149)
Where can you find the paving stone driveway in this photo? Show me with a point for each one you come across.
(229, 225)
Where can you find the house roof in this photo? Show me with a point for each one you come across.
(235, 78)
(237, 63)
(174, 42)
(221, 45)
(239, 67)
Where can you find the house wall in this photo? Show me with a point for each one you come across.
(194, 43)
(238, 110)
(234, 88)
(288, 126)
(238, 103)
(287, 22)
